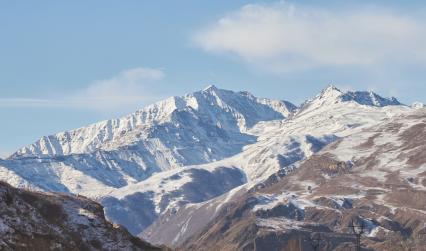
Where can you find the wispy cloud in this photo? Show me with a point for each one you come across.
(282, 37)
(128, 89)
(25, 102)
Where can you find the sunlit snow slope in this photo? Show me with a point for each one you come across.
(197, 128)
(190, 149)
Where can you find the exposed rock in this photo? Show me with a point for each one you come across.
(40, 221)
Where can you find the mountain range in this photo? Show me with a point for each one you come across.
(224, 170)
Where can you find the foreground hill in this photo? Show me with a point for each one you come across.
(39, 221)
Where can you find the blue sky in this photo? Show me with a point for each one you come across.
(66, 64)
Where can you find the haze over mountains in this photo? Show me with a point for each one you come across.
(216, 169)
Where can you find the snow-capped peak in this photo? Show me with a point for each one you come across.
(333, 95)
(331, 88)
(233, 112)
(417, 105)
(326, 97)
(210, 88)
(329, 93)
(369, 98)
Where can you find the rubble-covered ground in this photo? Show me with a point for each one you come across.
(41, 221)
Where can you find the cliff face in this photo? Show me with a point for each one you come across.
(41, 221)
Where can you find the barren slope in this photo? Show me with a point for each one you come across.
(39, 221)
(376, 177)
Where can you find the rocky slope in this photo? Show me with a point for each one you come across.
(375, 178)
(40, 221)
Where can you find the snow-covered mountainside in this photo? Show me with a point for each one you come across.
(137, 206)
(281, 145)
(375, 178)
(180, 154)
(197, 128)
(220, 112)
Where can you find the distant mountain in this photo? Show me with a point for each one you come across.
(369, 98)
(375, 178)
(332, 95)
(165, 171)
(279, 148)
(197, 128)
(200, 117)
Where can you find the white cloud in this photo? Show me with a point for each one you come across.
(127, 90)
(283, 37)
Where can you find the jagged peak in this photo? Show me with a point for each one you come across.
(369, 98)
(331, 87)
(333, 95)
(329, 94)
(330, 91)
(212, 102)
(211, 88)
(417, 105)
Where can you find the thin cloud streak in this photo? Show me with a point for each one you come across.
(127, 89)
(28, 102)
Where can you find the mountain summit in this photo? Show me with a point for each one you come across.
(212, 107)
(332, 95)
(197, 128)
